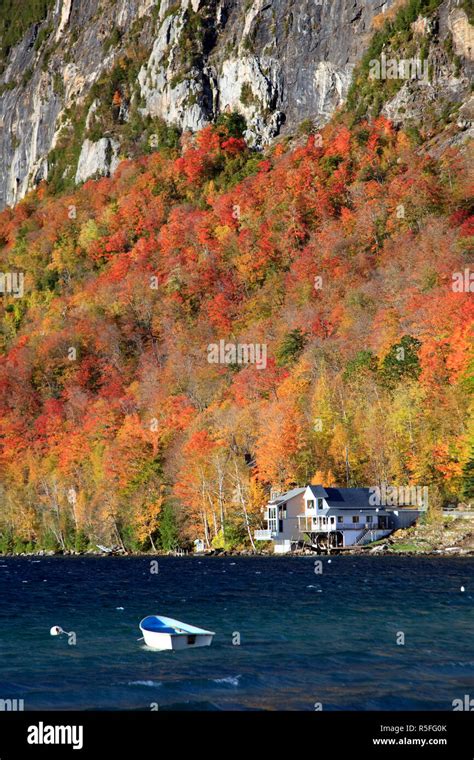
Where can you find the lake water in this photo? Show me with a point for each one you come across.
(305, 638)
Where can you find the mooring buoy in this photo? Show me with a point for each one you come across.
(56, 630)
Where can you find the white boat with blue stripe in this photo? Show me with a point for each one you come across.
(161, 632)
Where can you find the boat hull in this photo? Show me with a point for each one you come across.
(162, 641)
(162, 633)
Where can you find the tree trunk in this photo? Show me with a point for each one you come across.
(244, 506)
(119, 537)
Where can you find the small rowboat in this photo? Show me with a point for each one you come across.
(165, 633)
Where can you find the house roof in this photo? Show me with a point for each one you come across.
(344, 498)
(288, 495)
(318, 491)
(338, 498)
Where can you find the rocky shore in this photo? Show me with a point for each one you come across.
(449, 536)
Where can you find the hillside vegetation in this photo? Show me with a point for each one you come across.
(334, 260)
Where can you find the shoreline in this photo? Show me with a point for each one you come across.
(447, 538)
(436, 553)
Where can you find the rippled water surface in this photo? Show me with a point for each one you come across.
(305, 638)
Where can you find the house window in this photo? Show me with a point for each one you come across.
(369, 518)
(272, 519)
(282, 512)
(355, 518)
(319, 504)
(310, 504)
(340, 519)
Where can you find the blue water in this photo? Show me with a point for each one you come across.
(304, 638)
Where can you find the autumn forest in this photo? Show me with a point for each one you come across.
(340, 260)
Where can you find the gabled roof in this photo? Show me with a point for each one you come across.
(318, 492)
(337, 498)
(288, 495)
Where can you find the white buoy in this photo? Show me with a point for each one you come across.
(462, 588)
(329, 560)
(56, 630)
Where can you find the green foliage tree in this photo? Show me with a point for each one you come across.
(401, 362)
(364, 361)
(168, 530)
(233, 123)
(468, 477)
(15, 20)
(291, 347)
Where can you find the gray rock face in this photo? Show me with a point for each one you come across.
(97, 158)
(278, 62)
(438, 77)
(41, 82)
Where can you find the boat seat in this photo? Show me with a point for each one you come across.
(153, 624)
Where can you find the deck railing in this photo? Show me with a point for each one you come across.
(306, 525)
(263, 535)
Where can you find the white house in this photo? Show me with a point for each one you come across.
(330, 517)
(199, 546)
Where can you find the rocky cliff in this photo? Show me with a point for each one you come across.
(86, 81)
